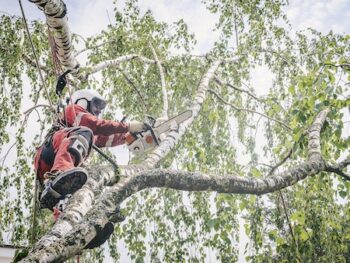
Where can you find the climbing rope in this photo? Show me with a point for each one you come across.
(36, 58)
(55, 61)
(51, 105)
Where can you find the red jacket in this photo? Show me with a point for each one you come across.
(106, 133)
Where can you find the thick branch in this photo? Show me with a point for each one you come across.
(55, 11)
(82, 234)
(77, 207)
(314, 145)
(173, 137)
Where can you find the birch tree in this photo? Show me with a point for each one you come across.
(183, 200)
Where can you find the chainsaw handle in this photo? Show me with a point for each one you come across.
(147, 126)
(151, 120)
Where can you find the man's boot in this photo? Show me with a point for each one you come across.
(62, 184)
(103, 234)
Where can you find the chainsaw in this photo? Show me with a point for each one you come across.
(144, 141)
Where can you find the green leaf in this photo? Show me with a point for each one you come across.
(298, 217)
(342, 194)
(255, 172)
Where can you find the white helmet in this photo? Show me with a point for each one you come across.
(87, 98)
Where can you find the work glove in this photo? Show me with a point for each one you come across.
(136, 126)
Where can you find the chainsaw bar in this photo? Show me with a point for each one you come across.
(166, 126)
(144, 141)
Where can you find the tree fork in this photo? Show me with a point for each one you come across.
(74, 242)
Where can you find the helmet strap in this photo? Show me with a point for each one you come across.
(88, 108)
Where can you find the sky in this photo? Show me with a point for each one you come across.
(88, 17)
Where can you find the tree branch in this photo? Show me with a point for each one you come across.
(95, 47)
(33, 64)
(162, 80)
(96, 218)
(248, 110)
(116, 62)
(286, 157)
(273, 169)
(343, 66)
(132, 84)
(27, 112)
(220, 82)
(338, 168)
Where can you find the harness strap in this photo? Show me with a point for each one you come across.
(78, 118)
(47, 152)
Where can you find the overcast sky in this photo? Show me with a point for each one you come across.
(88, 17)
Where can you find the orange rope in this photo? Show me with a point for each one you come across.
(57, 67)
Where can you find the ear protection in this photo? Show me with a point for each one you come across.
(83, 103)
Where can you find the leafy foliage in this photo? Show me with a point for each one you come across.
(306, 223)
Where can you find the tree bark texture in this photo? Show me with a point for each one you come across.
(57, 21)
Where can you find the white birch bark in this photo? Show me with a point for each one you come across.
(162, 80)
(57, 20)
(116, 62)
(79, 205)
(171, 140)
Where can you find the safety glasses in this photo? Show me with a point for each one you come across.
(98, 103)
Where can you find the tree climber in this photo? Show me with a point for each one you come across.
(67, 145)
